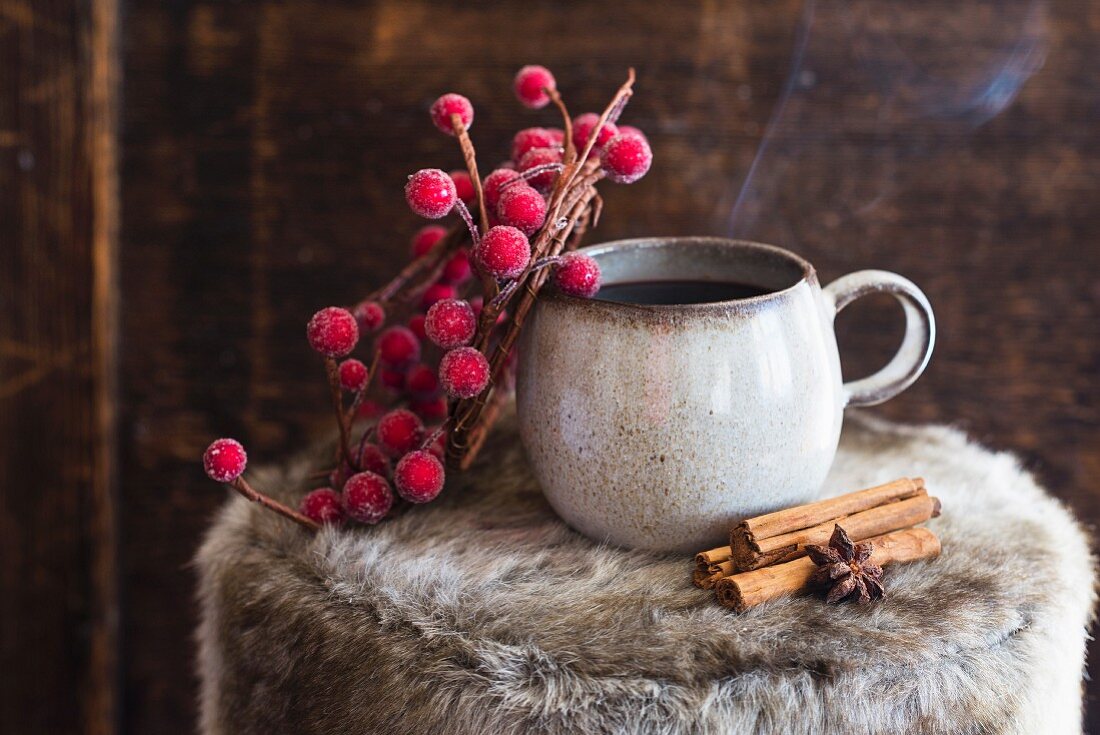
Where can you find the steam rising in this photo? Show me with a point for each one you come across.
(875, 90)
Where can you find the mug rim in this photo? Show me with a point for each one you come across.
(809, 275)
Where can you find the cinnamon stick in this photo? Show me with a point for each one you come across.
(859, 526)
(749, 589)
(745, 538)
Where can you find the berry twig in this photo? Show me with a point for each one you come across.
(469, 155)
(429, 263)
(241, 485)
(332, 370)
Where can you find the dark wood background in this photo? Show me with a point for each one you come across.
(182, 183)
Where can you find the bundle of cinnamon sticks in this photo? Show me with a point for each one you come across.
(766, 557)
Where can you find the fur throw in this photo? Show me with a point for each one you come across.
(483, 613)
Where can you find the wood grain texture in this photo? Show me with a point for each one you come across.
(58, 238)
(263, 150)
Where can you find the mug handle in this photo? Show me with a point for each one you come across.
(916, 347)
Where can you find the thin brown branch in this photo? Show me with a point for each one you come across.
(333, 371)
(241, 485)
(428, 262)
(570, 154)
(469, 154)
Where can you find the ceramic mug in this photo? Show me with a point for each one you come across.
(659, 426)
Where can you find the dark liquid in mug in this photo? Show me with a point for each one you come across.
(676, 293)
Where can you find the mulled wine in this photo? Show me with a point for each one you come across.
(678, 293)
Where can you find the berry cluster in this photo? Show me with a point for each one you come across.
(440, 340)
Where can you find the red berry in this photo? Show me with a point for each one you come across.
(583, 125)
(370, 316)
(323, 506)
(353, 375)
(437, 292)
(431, 193)
(367, 497)
(626, 158)
(631, 130)
(477, 303)
(457, 270)
(529, 85)
(530, 138)
(399, 431)
(430, 409)
(493, 183)
(421, 381)
(371, 459)
(503, 252)
(224, 460)
(541, 157)
(559, 137)
(416, 325)
(425, 238)
(464, 186)
(451, 323)
(522, 207)
(398, 347)
(578, 275)
(463, 372)
(419, 476)
(333, 332)
(370, 409)
(452, 104)
(393, 380)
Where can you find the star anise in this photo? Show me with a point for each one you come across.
(845, 567)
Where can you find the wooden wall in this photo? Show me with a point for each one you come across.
(261, 149)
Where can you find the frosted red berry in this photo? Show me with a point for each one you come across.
(393, 380)
(333, 331)
(456, 271)
(323, 506)
(370, 316)
(451, 323)
(452, 104)
(522, 207)
(464, 186)
(429, 409)
(431, 193)
(370, 409)
(224, 460)
(583, 125)
(371, 459)
(530, 83)
(367, 497)
(578, 275)
(353, 375)
(631, 130)
(541, 157)
(437, 292)
(398, 347)
(626, 158)
(419, 476)
(421, 381)
(530, 138)
(463, 372)
(416, 325)
(492, 184)
(399, 432)
(503, 252)
(425, 238)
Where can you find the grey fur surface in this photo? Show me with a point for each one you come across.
(483, 613)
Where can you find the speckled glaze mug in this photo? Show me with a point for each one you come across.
(659, 426)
